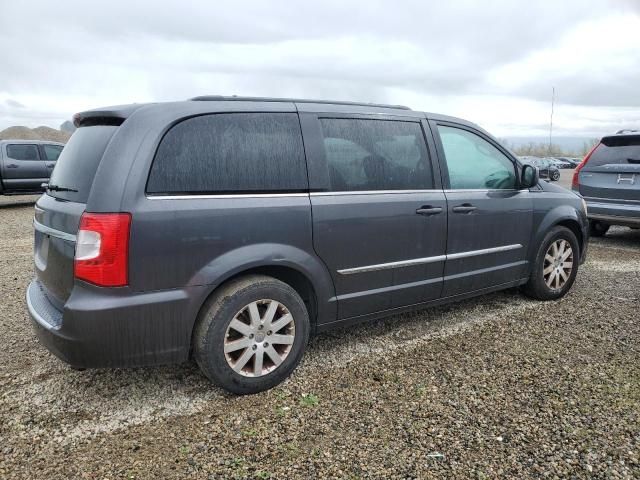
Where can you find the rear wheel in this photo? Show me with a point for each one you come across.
(555, 175)
(598, 228)
(556, 265)
(251, 334)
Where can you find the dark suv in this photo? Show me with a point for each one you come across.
(609, 180)
(229, 229)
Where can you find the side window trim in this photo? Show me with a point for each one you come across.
(317, 166)
(25, 144)
(442, 161)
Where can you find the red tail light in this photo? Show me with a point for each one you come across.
(102, 249)
(575, 182)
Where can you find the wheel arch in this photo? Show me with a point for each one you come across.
(564, 216)
(305, 273)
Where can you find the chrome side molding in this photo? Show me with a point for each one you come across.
(420, 261)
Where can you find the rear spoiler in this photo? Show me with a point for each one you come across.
(623, 140)
(105, 116)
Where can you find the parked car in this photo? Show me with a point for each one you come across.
(229, 229)
(26, 164)
(548, 170)
(562, 162)
(609, 180)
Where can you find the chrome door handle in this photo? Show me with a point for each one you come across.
(464, 208)
(429, 210)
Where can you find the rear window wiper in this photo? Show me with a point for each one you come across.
(58, 188)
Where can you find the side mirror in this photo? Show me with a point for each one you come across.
(530, 176)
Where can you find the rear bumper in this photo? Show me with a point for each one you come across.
(625, 214)
(105, 328)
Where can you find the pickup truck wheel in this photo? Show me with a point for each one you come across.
(597, 228)
(556, 265)
(251, 334)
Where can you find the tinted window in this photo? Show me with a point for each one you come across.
(79, 161)
(375, 155)
(22, 152)
(612, 150)
(234, 152)
(474, 163)
(52, 152)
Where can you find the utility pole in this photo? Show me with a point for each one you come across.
(553, 98)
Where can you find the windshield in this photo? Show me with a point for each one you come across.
(79, 161)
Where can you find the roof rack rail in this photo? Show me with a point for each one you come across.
(209, 98)
(626, 130)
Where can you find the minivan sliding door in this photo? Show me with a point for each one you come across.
(379, 213)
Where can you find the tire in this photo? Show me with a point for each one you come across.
(555, 176)
(233, 302)
(598, 228)
(538, 286)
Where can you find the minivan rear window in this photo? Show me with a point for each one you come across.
(231, 153)
(77, 164)
(616, 150)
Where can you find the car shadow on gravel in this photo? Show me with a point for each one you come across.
(157, 388)
(619, 237)
(17, 204)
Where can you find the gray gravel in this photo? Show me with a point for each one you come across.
(495, 387)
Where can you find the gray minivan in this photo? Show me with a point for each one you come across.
(26, 164)
(609, 180)
(229, 229)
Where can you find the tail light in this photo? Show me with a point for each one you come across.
(575, 182)
(102, 249)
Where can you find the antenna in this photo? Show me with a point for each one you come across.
(553, 98)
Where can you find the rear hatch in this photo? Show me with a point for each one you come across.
(58, 211)
(612, 172)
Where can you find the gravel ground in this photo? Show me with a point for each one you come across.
(497, 387)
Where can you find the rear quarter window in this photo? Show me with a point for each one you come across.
(231, 153)
(77, 164)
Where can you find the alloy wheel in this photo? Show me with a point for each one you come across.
(259, 338)
(558, 264)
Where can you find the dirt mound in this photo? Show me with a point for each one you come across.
(51, 134)
(38, 133)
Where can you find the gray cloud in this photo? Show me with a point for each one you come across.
(141, 51)
(14, 103)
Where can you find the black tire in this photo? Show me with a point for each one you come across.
(598, 228)
(218, 312)
(537, 287)
(555, 176)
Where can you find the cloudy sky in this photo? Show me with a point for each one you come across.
(493, 62)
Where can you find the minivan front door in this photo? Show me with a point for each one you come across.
(380, 218)
(490, 220)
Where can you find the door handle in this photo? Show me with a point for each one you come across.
(12, 165)
(51, 165)
(429, 210)
(464, 208)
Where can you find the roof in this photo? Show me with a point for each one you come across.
(31, 142)
(115, 115)
(209, 98)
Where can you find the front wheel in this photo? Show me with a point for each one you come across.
(251, 334)
(555, 175)
(556, 265)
